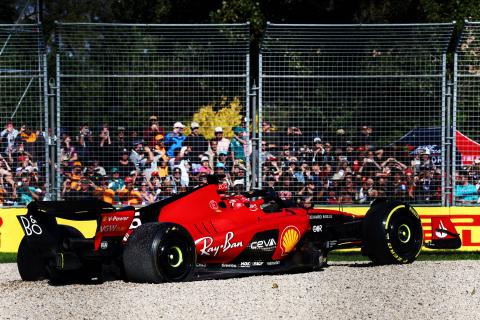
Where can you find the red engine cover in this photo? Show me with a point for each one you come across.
(222, 227)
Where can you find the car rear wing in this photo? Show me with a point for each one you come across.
(80, 210)
(40, 225)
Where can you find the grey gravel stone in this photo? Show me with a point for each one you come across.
(422, 290)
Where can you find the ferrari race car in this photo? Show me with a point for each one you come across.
(206, 233)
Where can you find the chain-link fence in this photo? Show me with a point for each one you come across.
(145, 111)
(466, 102)
(349, 113)
(23, 153)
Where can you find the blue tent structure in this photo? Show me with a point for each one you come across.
(430, 139)
(419, 137)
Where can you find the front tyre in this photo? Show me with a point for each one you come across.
(392, 233)
(159, 252)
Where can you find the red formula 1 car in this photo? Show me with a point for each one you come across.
(205, 233)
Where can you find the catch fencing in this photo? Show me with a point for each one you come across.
(128, 98)
(349, 113)
(24, 169)
(346, 113)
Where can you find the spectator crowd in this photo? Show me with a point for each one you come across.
(22, 165)
(334, 169)
(130, 166)
(140, 166)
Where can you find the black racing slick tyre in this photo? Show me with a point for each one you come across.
(32, 266)
(30, 263)
(82, 273)
(392, 233)
(159, 252)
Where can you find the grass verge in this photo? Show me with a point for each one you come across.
(8, 257)
(440, 255)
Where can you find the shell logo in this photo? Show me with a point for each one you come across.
(289, 239)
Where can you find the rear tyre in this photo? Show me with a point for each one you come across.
(159, 252)
(30, 263)
(83, 274)
(392, 233)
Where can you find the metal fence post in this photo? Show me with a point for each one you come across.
(51, 136)
(48, 159)
(56, 134)
(260, 120)
(255, 148)
(445, 130)
(447, 165)
(248, 118)
(454, 128)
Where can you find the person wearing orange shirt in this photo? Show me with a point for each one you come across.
(129, 195)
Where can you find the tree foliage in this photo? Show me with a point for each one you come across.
(229, 115)
(240, 11)
(257, 12)
(449, 10)
(8, 13)
(234, 11)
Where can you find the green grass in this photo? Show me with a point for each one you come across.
(347, 256)
(8, 257)
(440, 255)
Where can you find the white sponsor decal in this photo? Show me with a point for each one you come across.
(263, 244)
(213, 204)
(245, 264)
(331, 244)
(235, 204)
(30, 226)
(116, 218)
(136, 222)
(257, 264)
(208, 249)
(228, 265)
(320, 216)
(317, 228)
(108, 228)
(442, 232)
(273, 263)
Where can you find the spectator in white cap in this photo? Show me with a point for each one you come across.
(197, 143)
(205, 165)
(174, 140)
(223, 144)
